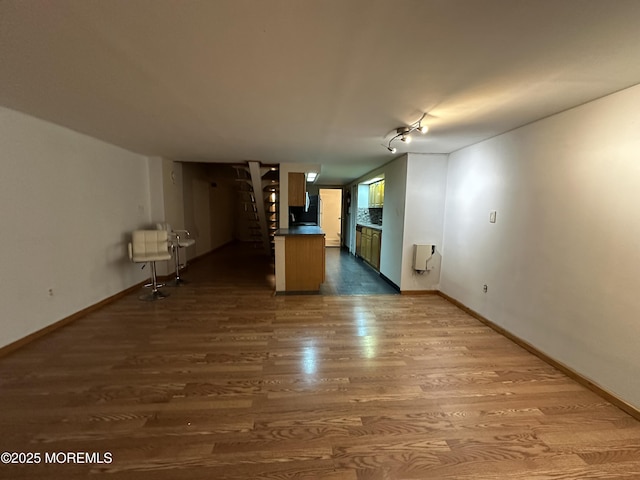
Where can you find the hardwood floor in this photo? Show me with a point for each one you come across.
(223, 380)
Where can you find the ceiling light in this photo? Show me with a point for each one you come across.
(403, 133)
(311, 176)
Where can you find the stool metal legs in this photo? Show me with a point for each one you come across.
(177, 281)
(155, 294)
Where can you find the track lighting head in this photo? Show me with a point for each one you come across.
(403, 133)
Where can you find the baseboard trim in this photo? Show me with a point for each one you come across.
(568, 371)
(389, 281)
(12, 347)
(419, 292)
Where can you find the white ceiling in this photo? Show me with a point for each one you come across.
(313, 81)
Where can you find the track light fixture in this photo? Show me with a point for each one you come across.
(404, 133)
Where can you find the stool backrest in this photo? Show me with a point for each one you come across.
(167, 228)
(149, 242)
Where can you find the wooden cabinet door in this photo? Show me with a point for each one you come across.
(376, 194)
(297, 189)
(366, 244)
(304, 262)
(376, 238)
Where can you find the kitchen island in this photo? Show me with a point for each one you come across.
(300, 259)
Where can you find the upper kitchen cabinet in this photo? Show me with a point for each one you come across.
(376, 194)
(297, 189)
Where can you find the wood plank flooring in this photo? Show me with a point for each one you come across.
(223, 380)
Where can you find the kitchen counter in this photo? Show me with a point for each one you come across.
(299, 230)
(371, 225)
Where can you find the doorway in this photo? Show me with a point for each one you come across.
(330, 210)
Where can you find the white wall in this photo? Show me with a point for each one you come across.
(351, 218)
(423, 218)
(414, 199)
(393, 213)
(363, 196)
(173, 189)
(222, 203)
(162, 191)
(395, 179)
(196, 216)
(208, 211)
(67, 204)
(156, 188)
(562, 263)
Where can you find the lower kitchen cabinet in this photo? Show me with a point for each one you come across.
(370, 242)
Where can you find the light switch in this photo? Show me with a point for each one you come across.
(492, 216)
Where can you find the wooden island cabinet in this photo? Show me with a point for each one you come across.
(300, 259)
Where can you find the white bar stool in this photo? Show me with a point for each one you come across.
(150, 246)
(178, 239)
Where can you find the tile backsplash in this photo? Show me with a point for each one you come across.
(372, 216)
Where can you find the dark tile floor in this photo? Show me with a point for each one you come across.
(348, 275)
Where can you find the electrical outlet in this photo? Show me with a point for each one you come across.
(492, 216)
(51, 292)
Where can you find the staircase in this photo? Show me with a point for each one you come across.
(258, 187)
